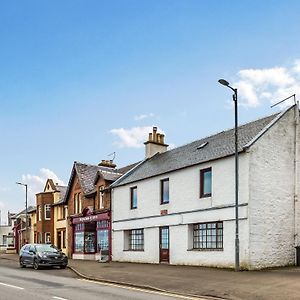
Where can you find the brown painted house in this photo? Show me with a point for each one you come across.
(44, 227)
(89, 215)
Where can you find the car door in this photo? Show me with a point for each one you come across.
(25, 254)
(31, 254)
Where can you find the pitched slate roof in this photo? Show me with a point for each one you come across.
(206, 149)
(87, 175)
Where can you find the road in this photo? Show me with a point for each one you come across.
(29, 284)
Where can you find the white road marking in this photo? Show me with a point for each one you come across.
(12, 286)
(146, 291)
(59, 298)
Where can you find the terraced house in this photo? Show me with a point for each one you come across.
(89, 215)
(45, 227)
(178, 206)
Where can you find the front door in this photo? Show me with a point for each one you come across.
(164, 244)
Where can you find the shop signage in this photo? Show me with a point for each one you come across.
(90, 218)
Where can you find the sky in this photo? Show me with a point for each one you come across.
(82, 79)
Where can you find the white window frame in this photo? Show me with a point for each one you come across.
(101, 203)
(47, 207)
(40, 213)
(47, 234)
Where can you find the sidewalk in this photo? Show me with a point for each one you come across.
(281, 283)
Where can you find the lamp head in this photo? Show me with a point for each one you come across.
(223, 82)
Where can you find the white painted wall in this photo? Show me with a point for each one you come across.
(185, 208)
(271, 203)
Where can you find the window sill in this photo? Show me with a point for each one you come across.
(205, 196)
(164, 203)
(133, 250)
(61, 219)
(207, 250)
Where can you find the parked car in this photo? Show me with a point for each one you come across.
(42, 255)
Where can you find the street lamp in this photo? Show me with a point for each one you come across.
(26, 215)
(237, 246)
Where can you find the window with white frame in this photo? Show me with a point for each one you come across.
(134, 239)
(47, 211)
(47, 237)
(39, 213)
(101, 203)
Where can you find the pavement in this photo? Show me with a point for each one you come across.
(279, 283)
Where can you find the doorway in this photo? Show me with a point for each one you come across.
(164, 244)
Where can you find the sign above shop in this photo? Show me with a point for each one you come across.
(91, 218)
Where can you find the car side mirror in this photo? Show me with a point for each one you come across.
(32, 251)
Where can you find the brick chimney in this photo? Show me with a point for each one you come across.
(155, 143)
(107, 164)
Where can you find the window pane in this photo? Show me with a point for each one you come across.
(136, 239)
(79, 241)
(208, 235)
(207, 182)
(89, 242)
(134, 197)
(165, 191)
(102, 237)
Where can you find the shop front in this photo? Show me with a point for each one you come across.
(92, 237)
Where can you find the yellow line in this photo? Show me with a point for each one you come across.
(146, 291)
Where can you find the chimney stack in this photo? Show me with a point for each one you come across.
(155, 143)
(107, 164)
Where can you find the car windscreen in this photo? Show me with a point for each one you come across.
(46, 248)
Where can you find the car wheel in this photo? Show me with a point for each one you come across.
(22, 265)
(36, 265)
(63, 267)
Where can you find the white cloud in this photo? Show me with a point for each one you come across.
(133, 137)
(143, 116)
(268, 84)
(36, 183)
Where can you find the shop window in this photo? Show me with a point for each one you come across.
(103, 235)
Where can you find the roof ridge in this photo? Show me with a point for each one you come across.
(223, 131)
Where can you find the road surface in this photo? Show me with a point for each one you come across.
(29, 284)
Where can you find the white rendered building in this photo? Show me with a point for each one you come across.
(178, 206)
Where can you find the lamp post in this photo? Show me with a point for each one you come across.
(237, 246)
(26, 215)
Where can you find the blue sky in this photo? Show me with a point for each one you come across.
(82, 79)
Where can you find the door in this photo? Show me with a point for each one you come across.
(58, 239)
(164, 244)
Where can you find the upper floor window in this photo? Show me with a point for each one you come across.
(47, 210)
(133, 197)
(205, 182)
(39, 213)
(164, 191)
(78, 204)
(101, 202)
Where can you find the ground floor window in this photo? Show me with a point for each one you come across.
(102, 235)
(79, 242)
(208, 235)
(135, 239)
(91, 237)
(47, 237)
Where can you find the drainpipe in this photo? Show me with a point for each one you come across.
(296, 169)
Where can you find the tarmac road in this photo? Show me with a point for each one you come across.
(29, 284)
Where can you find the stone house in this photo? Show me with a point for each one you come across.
(88, 202)
(178, 206)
